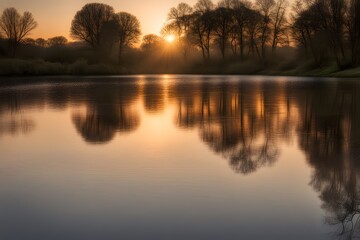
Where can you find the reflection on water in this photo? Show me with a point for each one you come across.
(12, 119)
(246, 121)
(108, 110)
(240, 121)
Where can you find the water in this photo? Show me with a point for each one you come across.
(180, 157)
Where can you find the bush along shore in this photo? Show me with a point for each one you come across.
(21, 67)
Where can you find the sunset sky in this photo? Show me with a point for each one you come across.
(54, 16)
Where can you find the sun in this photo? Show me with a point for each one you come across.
(170, 38)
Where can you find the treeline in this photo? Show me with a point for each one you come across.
(322, 29)
(231, 34)
(96, 26)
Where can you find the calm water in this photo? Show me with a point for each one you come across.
(180, 157)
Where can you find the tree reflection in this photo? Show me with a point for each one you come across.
(154, 96)
(245, 122)
(242, 121)
(108, 111)
(330, 139)
(13, 119)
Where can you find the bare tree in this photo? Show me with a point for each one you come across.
(181, 16)
(87, 23)
(241, 21)
(128, 30)
(223, 25)
(254, 24)
(16, 27)
(180, 19)
(279, 21)
(202, 26)
(265, 7)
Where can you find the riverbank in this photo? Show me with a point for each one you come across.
(20, 67)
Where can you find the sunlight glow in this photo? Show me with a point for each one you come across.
(170, 38)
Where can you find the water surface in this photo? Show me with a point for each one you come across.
(180, 157)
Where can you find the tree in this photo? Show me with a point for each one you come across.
(180, 20)
(223, 24)
(203, 23)
(151, 41)
(242, 15)
(204, 6)
(40, 42)
(253, 28)
(181, 16)
(29, 41)
(16, 27)
(306, 30)
(320, 25)
(87, 23)
(353, 26)
(265, 7)
(57, 41)
(128, 30)
(331, 17)
(278, 17)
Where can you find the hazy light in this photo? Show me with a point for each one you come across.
(170, 38)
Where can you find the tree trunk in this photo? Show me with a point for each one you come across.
(121, 49)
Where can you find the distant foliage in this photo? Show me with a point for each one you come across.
(41, 42)
(151, 41)
(57, 41)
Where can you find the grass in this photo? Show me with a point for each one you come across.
(39, 67)
(18, 67)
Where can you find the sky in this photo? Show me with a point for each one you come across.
(54, 16)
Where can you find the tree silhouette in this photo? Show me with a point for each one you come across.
(128, 30)
(202, 26)
(87, 23)
(265, 8)
(241, 20)
(151, 41)
(223, 25)
(180, 20)
(57, 41)
(16, 27)
(353, 26)
(41, 42)
(278, 17)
